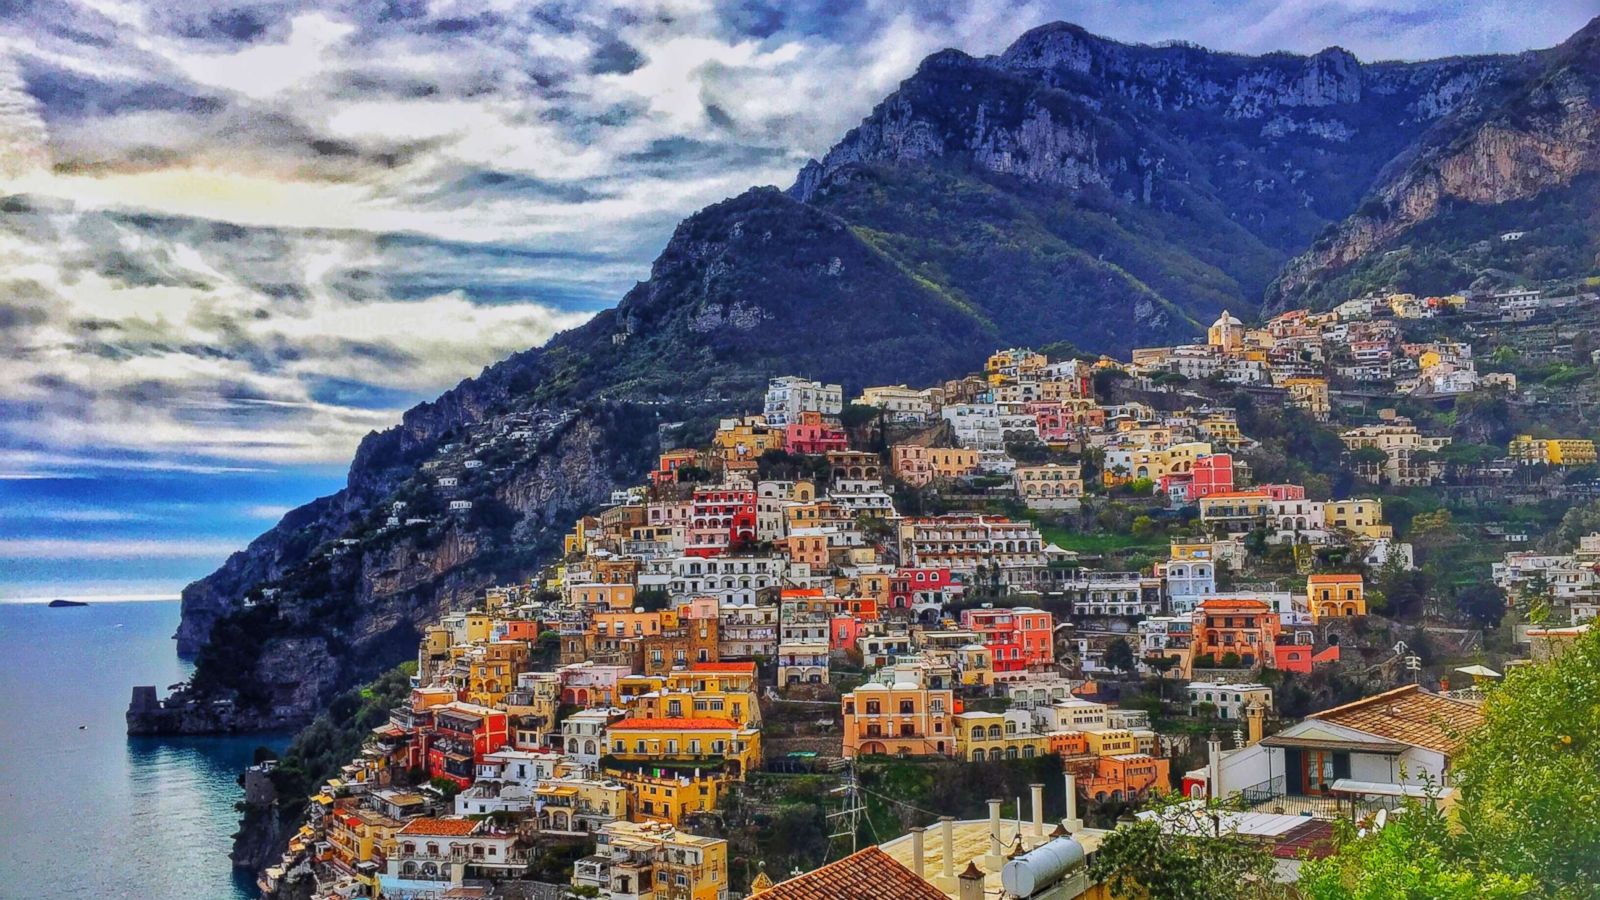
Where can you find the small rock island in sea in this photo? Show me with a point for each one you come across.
(58, 603)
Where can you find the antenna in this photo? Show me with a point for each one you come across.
(849, 815)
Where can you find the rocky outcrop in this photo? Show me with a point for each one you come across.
(1538, 132)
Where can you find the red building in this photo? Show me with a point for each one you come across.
(843, 633)
(1018, 638)
(1303, 658)
(1212, 475)
(462, 734)
(922, 587)
(812, 435)
(721, 519)
(1283, 491)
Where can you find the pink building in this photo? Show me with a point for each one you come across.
(1017, 638)
(812, 435)
(1212, 475)
(843, 632)
(1283, 491)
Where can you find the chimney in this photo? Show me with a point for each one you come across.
(997, 845)
(917, 855)
(971, 883)
(948, 823)
(1037, 792)
(1255, 719)
(1214, 767)
(1072, 822)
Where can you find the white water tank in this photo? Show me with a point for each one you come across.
(1041, 867)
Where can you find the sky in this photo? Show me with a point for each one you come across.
(236, 237)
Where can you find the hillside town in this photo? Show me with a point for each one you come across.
(834, 583)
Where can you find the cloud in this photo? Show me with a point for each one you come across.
(271, 512)
(244, 235)
(112, 549)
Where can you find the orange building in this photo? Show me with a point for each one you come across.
(899, 719)
(1248, 628)
(1336, 596)
(1127, 776)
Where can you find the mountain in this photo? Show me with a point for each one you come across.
(1071, 188)
(1520, 157)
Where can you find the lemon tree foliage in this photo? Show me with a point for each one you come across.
(1529, 803)
(1530, 779)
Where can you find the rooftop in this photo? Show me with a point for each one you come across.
(1410, 715)
(870, 874)
(439, 827)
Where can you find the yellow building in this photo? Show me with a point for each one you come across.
(741, 441)
(1111, 742)
(492, 671)
(1048, 483)
(356, 835)
(1226, 334)
(1009, 365)
(672, 796)
(1311, 395)
(573, 805)
(577, 540)
(1335, 596)
(710, 689)
(976, 665)
(705, 743)
(655, 860)
(1529, 450)
(992, 736)
(1360, 517)
(1222, 429)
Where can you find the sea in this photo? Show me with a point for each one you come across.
(85, 810)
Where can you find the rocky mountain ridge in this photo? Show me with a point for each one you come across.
(1069, 188)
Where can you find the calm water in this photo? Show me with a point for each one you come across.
(88, 811)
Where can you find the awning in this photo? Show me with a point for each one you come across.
(1385, 748)
(1386, 789)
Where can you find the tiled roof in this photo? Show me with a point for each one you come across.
(1218, 603)
(1410, 715)
(672, 724)
(870, 874)
(1333, 578)
(439, 827)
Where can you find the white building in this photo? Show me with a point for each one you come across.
(790, 396)
(1229, 699)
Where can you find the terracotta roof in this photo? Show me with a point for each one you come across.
(1410, 715)
(870, 874)
(1333, 578)
(1218, 603)
(440, 827)
(1314, 840)
(746, 667)
(673, 724)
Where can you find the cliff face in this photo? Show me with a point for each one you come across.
(1533, 134)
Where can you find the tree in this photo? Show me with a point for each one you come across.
(1162, 665)
(652, 599)
(1183, 853)
(1530, 777)
(1484, 604)
(1119, 656)
(1414, 855)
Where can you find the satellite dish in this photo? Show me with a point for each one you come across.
(1381, 820)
